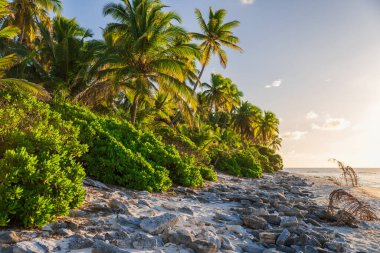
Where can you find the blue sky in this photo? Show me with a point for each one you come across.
(314, 63)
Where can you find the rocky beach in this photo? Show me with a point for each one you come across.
(283, 212)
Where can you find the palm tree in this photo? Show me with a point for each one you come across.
(221, 94)
(275, 144)
(216, 92)
(8, 61)
(267, 127)
(145, 52)
(234, 96)
(215, 35)
(28, 14)
(245, 119)
(65, 53)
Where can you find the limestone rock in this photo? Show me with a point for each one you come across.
(268, 237)
(289, 221)
(119, 206)
(80, 242)
(254, 222)
(236, 228)
(283, 237)
(142, 241)
(102, 247)
(227, 244)
(8, 237)
(157, 225)
(180, 236)
(273, 219)
(201, 246)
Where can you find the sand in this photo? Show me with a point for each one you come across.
(367, 237)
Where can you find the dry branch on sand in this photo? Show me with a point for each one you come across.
(350, 207)
(348, 173)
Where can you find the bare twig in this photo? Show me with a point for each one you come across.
(348, 173)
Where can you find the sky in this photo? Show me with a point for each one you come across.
(316, 64)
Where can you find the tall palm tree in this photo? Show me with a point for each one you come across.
(245, 120)
(65, 52)
(146, 52)
(267, 127)
(6, 62)
(27, 14)
(215, 35)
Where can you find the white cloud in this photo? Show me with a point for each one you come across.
(247, 1)
(275, 84)
(294, 135)
(312, 115)
(332, 124)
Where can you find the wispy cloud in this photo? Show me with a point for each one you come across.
(332, 124)
(247, 1)
(275, 84)
(311, 115)
(294, 135)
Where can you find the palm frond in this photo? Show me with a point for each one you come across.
(27, 86)
(9, 32)
(340, 199)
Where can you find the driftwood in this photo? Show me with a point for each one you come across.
(348, 173)
(349, 207)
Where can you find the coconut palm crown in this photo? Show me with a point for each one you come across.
(215, 34)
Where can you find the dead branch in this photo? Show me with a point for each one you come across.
(340, 199)
(348, 173)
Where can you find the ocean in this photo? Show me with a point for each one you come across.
(367, 177)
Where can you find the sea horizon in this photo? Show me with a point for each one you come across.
(368, 177)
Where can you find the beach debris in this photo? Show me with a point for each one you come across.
(349, 208)
(348, 173)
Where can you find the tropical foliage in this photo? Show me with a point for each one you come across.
(214, 36)
(132, 109)
(7, 61)
(40, 176)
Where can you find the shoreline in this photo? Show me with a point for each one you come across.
(326, 184)
(279, 211)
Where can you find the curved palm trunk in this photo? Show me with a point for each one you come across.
(199, 78)
(175, 119)
(133, 110)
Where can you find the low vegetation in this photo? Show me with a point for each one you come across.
(40, 175)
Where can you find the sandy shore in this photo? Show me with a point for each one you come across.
(367, 237)
(278, 213)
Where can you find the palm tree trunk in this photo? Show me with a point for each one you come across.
(176, 117)
(199, 77)
(133, 110)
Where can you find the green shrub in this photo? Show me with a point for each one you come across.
(39, 175)
(274, 160)
(240, 163)
(180, 141)
(208, 173)
(120, 154)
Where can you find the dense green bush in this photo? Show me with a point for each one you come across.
(208, 173)
(120, 154)
(274, 160)
(39, 175)
(180, 141)
(240, 163)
